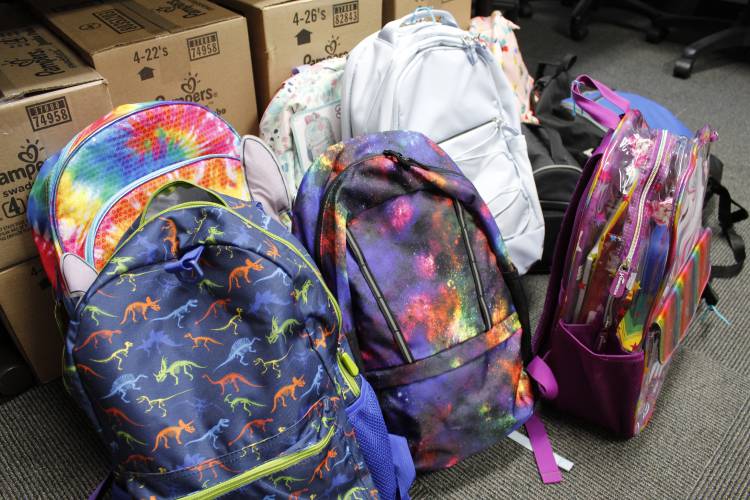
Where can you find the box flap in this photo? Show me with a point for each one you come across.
(33, 60)
(102, 25)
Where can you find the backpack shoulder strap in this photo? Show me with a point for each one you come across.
(728, 216)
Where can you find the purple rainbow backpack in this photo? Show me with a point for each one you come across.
(418, 265)
(627, 283)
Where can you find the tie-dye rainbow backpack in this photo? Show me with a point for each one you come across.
(88, 194)
(209, 355)
(438, 318)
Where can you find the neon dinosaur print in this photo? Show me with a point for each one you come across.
(129, 439)
(117, 355)
(158, 402)
(295, 495)
(94, 313)
(173, 430)
(278, 273)
(230, 378)
(120, 265)
(287, 390)
(239, 349)
(315, 383)
(243, 272)
(156, 338)
(87, 370)
(214, 309)
(131, 279)
(287, 480)
(324, 464)
(233, 322)
(212, 434)
(179, 313)
(137, 459)
(245, 402)
(206, 285)
(325, 333)
(302, 292)
(280, 330)
(174, 370)
(213, 232)
(105, 334)
(119, 416)
(353, 493)
(260, 423)
(201, 341)
(171, 238)
(266, 298)
(273, 363)
(123, 384)
(210, 465)
(198, 225)
(142, 308)
(273, 250)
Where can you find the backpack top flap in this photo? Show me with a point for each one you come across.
(128, 144)
(213, 365)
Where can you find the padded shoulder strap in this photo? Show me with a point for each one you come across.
(727, 218)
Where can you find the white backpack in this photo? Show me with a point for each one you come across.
(434, 78)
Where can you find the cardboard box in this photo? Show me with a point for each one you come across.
(395, 9)
(47, 94)
(285, 34)
(190, 50)
(27, 305)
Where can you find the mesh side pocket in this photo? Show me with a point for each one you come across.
(366, 418)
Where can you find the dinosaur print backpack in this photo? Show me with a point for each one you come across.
(424, 281)
(89, 193)
(210, 357)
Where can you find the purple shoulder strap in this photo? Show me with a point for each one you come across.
(599, 113)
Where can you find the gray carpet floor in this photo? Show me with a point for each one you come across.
(697, 445)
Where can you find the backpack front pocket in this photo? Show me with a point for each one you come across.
(477, 388)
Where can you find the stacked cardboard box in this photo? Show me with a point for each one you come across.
(47, 94)
(284, 34)
(190, 50)
(395, 9)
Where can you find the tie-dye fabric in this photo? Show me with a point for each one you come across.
(116, 153)
(217, 366)
(420, 270)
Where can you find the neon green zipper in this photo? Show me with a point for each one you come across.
(266, 469)
(347, 367)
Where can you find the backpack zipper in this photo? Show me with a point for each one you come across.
(91, 236)
(473, 265)
(55, 177)
(398, 335)
(268, 468)
(623, 273)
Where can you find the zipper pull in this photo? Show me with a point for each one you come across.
(470, 49)
(617, 289)
(398, 157)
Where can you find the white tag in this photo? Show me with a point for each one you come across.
(314, 130)
(561, 461)
(77, 274)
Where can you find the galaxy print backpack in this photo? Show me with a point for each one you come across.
(438, 319)
(219, 367)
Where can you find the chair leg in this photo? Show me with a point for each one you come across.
(579, 19)
(739, 36)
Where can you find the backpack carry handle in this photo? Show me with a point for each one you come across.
(598, 112)
(388, 33)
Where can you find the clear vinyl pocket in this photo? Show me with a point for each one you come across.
(317, 455)
(483, 155)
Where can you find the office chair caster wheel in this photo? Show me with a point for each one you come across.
(682, 68)
(656, 34)
(578, 32)
(525, 10)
